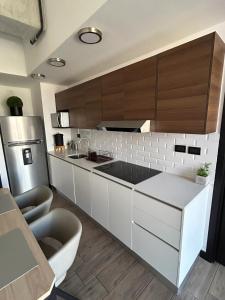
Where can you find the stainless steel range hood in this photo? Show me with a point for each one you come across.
(125, 126)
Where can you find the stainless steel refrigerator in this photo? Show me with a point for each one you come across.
(25, 152)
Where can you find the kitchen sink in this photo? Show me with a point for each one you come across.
(77, 156)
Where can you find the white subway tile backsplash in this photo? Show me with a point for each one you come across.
(156, 150)
(137, 148)
(156, 166)
(151, 149)
(157, 155)
(171, 157)
(185, 141)
(150, 160)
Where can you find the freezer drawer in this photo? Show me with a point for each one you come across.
(26, 165)
(15, 129)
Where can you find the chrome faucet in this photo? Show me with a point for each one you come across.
(78, 142)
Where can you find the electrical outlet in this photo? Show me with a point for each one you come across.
(180, 148)
(194, 150)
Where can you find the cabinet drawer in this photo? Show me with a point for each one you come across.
(158, 218)
(158, 254)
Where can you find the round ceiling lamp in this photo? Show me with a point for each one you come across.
(90, 35)
(37, 76)
(57, 62)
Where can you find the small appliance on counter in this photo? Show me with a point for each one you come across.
(59, 142)
(100, 156)
(60, 120)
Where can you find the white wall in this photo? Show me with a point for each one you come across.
(60, 25)
(36, 99)
(12, 58)
(23, 93)
(48, 105)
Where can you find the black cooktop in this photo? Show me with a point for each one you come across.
(127, 171)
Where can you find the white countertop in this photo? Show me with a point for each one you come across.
(81, 162)
(171, 189)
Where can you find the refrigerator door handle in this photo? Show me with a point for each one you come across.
(24, 143)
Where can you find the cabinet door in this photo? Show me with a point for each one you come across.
(93, 102)
(120, 212)
(61, 174)
(100, 200)
(77, 110)
(140, 90)
(112, 96)
(64, 99)
(183, 81)
(54, 171)
(67, 180)
(82, 189)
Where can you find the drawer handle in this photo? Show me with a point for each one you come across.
(156, 236)
(154, 198)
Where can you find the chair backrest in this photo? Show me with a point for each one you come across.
(65, 227)
(42, 192)
(38, 199)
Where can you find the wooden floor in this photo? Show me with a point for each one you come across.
(104, 269)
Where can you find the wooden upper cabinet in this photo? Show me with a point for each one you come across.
(83, 103)
(189, 81)
(140, 90)
(129, 93)
(77, 107)
(64, 99)
(180, 88)
(93, 102)
(112, 96)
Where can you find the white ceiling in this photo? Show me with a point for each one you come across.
(132, 28)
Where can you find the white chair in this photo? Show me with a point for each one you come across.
(64, 227)
(35, 202)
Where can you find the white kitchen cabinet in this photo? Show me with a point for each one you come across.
(82, 189)
(159, 255)
(120, 198)
(100, 200)
(54, 174)
(168, 238)
(167, 234)
(61, 176)
(161, 220)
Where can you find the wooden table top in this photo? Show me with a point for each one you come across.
(36, 283)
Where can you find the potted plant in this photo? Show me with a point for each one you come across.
(15, 104)
(202, 176)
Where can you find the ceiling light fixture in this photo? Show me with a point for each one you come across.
(90, 35)
(37, 76)
(57, 62)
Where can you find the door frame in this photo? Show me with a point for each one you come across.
(218, 198)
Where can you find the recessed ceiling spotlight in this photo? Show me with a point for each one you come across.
(90, 35)
(37, 76)
(57, 62)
